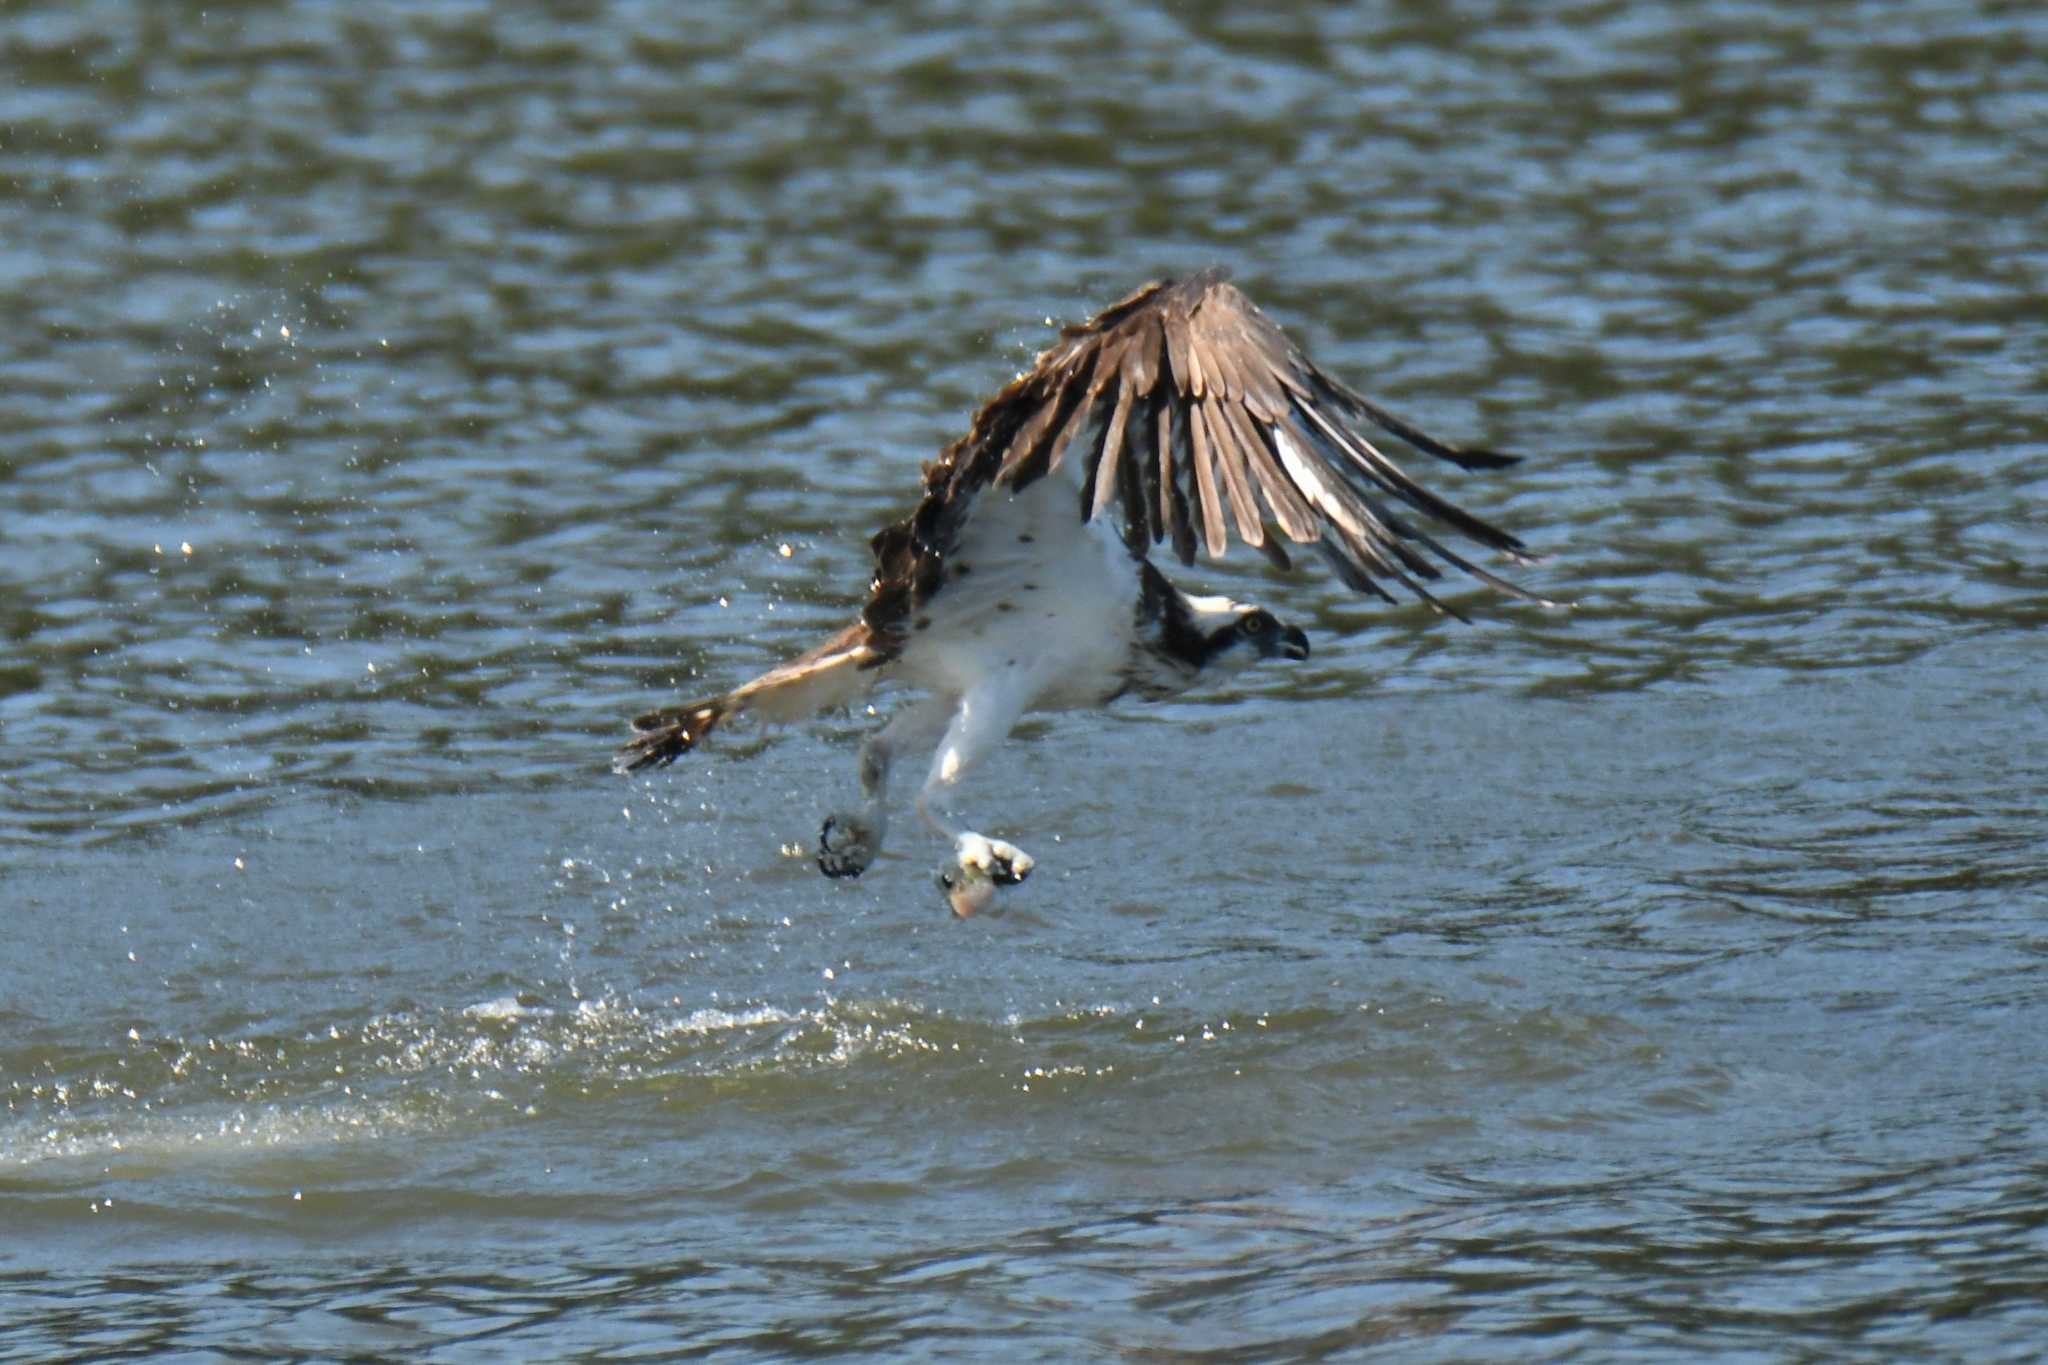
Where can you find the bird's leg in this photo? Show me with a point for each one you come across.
(849, 840)
(980, 864)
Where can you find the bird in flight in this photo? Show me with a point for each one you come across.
(1023, 580)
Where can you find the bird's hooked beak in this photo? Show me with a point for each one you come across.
(1293, 643)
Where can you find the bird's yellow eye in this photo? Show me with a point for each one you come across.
(1254, 625)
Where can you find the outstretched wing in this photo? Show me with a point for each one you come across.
(1196, 415)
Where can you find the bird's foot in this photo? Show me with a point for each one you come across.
(980, 865)
(1004, 864)
(846, 845)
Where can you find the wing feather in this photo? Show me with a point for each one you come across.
(1281, 495)
(1043, 437)
(1072, 427)
(1145, 516)
(1102, 474)
(1212, 482)
(1173, 498)
(1141, 360)
(1378, 469)
(1220, 362)
(1232, 459)
(1176, 333)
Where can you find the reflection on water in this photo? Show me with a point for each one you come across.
(398, 397)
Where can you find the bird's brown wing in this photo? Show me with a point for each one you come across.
(1196, 416)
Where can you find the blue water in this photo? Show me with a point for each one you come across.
(400, 397)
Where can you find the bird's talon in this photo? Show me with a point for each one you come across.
(980, 865)
(845, 846)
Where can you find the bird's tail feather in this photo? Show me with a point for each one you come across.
(833, 674)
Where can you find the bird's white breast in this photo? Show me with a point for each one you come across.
(1032, 593)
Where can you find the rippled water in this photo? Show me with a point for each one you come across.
(398, 396)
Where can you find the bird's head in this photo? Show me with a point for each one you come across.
(1250, 634)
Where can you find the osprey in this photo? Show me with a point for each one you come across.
(1023, 580)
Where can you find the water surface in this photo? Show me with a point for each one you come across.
(400, 396)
